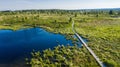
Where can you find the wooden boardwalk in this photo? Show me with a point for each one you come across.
(86, 46)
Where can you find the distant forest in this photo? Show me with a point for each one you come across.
(114, 11)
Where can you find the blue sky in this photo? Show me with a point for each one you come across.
(57, 4)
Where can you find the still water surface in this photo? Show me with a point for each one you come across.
(16, 45)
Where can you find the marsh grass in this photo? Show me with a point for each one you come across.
(102, 31)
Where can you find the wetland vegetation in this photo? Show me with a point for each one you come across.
(100, 26)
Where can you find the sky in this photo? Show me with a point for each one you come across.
(57, 4)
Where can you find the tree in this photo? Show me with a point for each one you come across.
(119, 13)
(111, 12)
(70, 20)
(55, 21)
(97, 15)
(75, 14)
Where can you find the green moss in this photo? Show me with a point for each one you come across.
(63, 56)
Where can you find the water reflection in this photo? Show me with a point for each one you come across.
(16, 45)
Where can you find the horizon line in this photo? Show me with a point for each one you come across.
(59, 9)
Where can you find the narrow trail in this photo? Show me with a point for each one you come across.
(86, 46)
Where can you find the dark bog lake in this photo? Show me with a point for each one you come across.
(15, 46)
